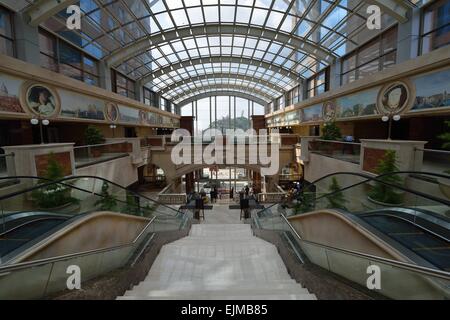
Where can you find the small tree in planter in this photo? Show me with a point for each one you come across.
(107, 201)
(93, 136)
(55, 195)
(331, 131)
(336, 200)
(383, 193)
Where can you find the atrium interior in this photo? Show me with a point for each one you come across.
(225, 149)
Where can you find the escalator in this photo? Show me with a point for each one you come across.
(419, 223)
(24, 223)
(23, 229)
(47, 226)
(430, 246)
(335, 224)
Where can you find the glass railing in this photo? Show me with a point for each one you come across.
(398, 280)
(92, 154)
(436, 161)
(40, 206)
(6, 164)
(345, 151)
(41, 278)
(359, 193)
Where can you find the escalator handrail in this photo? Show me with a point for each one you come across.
(402, 265)
(6, 269)
(61, 181)
(2, 234)
(377, 179)
(418, 226)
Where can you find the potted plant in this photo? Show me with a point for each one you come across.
(93, 136)
(331, 132)
(444, 184)
(381, 193)
(55, 196)
(336, 200)
(107, 202)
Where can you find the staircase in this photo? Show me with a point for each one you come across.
(218, 262)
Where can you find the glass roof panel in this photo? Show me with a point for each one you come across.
(328, 28)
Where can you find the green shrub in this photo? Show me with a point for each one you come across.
(331, 131)
(93, 136)
(384, 193)
(107, 202)
(54, 195)
(337, 199)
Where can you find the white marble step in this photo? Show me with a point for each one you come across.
(306, 296)
(144, 292)
(216, 285)
(219, 262)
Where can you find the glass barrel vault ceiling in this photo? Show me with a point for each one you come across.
(180, 48)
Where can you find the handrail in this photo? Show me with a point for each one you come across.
(101, 144)
(371, 178)
(402, 265)
(337, 141)
(61, 181)
(7, 155)
(417, 193)
(40, 262)
(434, 150)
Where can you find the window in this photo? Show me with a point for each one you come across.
(376, 55)
(59, 56)
(6, 32)
(294, 96)
(165, 105)
(151, 98)
(280, 103)
(318, 83)
(122, 85)
(435, 26)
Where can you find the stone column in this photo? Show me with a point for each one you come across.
(409, 158)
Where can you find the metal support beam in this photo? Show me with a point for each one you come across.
(41, 10)
(396, 9)
(263, 82)
(217, 59)
(144, 44)
(223, 87)
(224, 93)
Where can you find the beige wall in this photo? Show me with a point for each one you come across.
(332, 229)
(320, 166)
(96, 231)
(120, 171)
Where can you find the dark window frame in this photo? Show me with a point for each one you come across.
(114, 74)
(422, 26)
(380, 57)
(12, 39)
(315, 78)
(85, 74)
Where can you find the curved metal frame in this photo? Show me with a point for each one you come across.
(142, 45)
(224, 76)
(218, 59)
(223, 87)
(223, 93)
